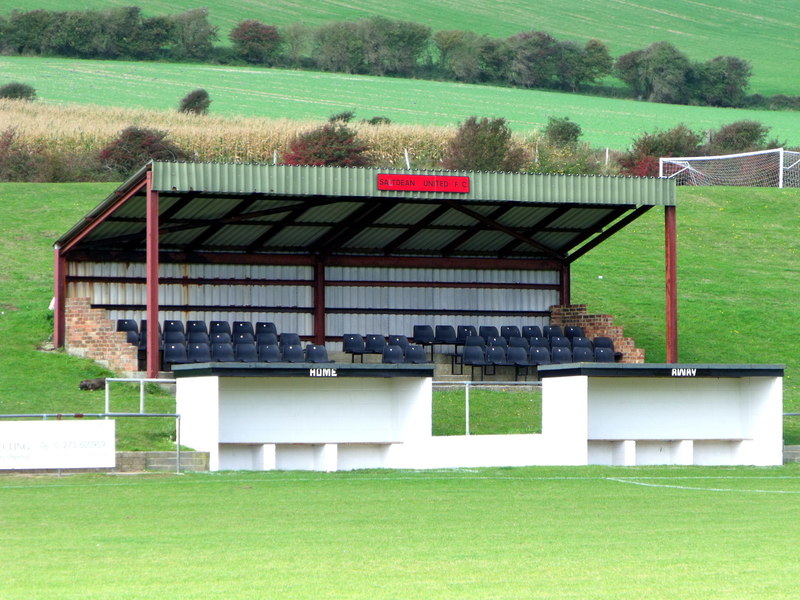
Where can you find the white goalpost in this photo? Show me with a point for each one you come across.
(766, 168)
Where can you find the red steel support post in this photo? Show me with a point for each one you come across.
(671, 261)
(565, 291)
(153, 356)
(319, 301)
(59, 317)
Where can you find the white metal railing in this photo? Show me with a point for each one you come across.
(469, 384)
(141, 380)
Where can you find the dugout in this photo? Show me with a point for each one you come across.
(327, 251)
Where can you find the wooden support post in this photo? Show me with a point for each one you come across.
(671, 261)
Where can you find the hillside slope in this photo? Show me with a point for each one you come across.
(763, 32)
(285, 94)
(738, 276)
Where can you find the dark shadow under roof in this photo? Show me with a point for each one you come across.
(263, 209)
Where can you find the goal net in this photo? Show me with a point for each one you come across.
(767, 168)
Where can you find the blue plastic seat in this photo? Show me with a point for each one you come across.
(416, 354)
(270, 353)
(222, 352)
(582, 354)
(266, 327)
(560, 355)
(242, 327)
(474, 356)
(317, 353)
(174, 354)
(353, 344)
(293, 353)
(198, 352)
(245, 352)
(393, 354)
(529, 331)
(219, 327)
(374, 343)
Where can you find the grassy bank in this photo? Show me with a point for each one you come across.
(738, 252)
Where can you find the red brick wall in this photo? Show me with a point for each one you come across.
(91, 334)
(597, 325)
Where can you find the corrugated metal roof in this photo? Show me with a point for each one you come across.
(224, 178)
(265, 209)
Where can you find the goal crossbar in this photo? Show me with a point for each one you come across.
(762, 168)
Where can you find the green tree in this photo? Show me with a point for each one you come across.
(25, 31)
(193, 35)
(534, 59)
(296, 43)
(393, 47)
(339, 47)
(597, 60)
(483, 145)
(659, 73)
(722, 81)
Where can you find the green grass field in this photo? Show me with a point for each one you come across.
(738, 252)
(760, 31)
(555, 533)
(277, 93)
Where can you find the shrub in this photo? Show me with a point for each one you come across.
(642, 159)
(574, 159)
(333, 144)
(18, 91)
(134, 147)
(484, 145)
(195, 102)
(23, 160)
(343, 117)
(378, 120)
(740, 136)
(562, 132)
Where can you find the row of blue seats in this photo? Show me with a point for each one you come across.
(448, 334)
(178, 353)
(219, 332)
(522, 359)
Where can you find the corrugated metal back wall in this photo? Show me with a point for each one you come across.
(370, 302)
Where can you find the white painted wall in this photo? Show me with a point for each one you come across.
(337, 423)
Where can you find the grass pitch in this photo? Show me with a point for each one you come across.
(614, 533)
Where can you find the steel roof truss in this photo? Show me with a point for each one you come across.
(338, 233)
(409, 233)
(541, 224)
(507, 230)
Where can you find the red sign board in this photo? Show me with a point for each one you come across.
(423, 183)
